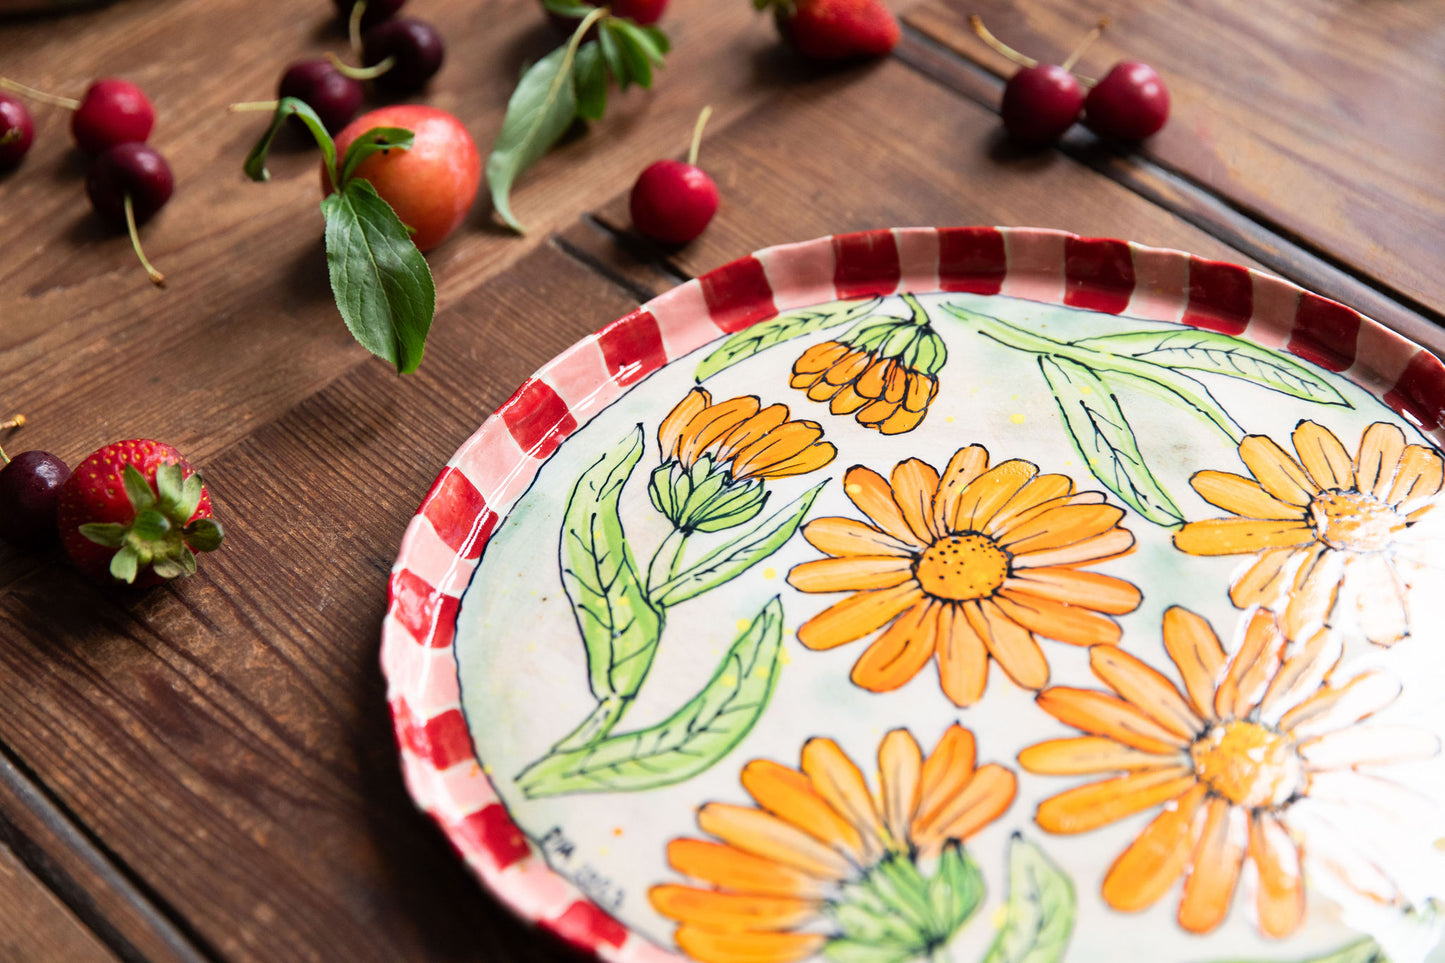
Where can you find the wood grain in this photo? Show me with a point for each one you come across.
(1311, 117)
(37, 925)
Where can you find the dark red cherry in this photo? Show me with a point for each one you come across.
(334, 96)
(133, 169)
(29, 491)
(111, 112)
(376, 10)
(416, 50)
(17, 130)
(1040, 103)
(1130, 103)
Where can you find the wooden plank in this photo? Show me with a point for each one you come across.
(228, 738)
(37, 925)
(1309, 117)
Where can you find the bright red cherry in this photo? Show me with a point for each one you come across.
(111, 112)
(127, 184)
(432, 184)
(1130, 103)
(334, 96)
(1040, 103)
(17, 130)
(674, 201)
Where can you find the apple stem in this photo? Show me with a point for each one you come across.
(353, 27)
(976, 22)
(361, 73)
(697, 135)
(69, 103)
(157, 278)
(1084, 44)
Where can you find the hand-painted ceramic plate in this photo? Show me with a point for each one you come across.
(968, 594)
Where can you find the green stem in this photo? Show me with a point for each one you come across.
(663, 567)
(920, 316)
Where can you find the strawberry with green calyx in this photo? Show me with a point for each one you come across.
(136, 511)
(835, 29)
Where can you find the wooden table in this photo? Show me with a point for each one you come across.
(206, 770)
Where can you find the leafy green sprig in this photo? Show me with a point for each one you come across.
(383, 287)
(568, 83)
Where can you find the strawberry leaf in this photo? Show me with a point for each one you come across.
(170, 486)
(373, 141)
(125, 564)
(591, 75)
(255, 165)
(382, 284)
(150, 526)
(191, 491)
(204, 535)
(109, 534)
(137, 489)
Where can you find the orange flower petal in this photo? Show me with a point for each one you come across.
(895, 385)
(669, 433)
(920, 392)
(760, 458)
(1102, 593)
(1099, 714)
(768, 837)
(987, 796)
(876, 413)
(846, 369)
(820, 390)
(731, 912)
(1100, 803)
(1316, 587)
(1043, 491)
(820, 357)
(706, 946)
(965, 466)
(1419, 475)
(789, 795)
(1156, 858)
(1338, 706)
(851, 573)
(1335, 849)
(870, 382)
(914, 483)
(1196, 652)
(900, 763)
(1012, 646)
(873, 496)
(1280, 894)
(857, 615)
(1251, 668)
(991, 491)
(1381, 599)
(1324, 458)
(901, 651)
(1066, 525)
(754, 429)
(1266, 579)
(1240, 536)
(805, 381)
(1280, 474)
(1367, 745)
(1058, 620)
(1241, 496)
(901, 422)
(736, 870)
(1301, 675)
(1089, 755)
(712, 424)
(1218, 858)
(809, 459)
(962, 658)
(1380, 449)
(1114, 543)
(841, 784)
(1146, 689)
(845, 536)
(846, 401)
(946, 771)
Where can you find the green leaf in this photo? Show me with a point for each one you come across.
(660, 42)
(168, 567)
(1103, 438)
(857, 951)
(137, 489)
(691, 740)
(109, 534)
(1175, 387)
(1039, 914)
(125, 564)
(170, 486)
(567, 8)
(644, 39)
(784, 327)
(150, 525)
(732, 559)
(591, 74)
(373, 141)
(619, 627)
(255, 165)
(191, 491)
(382, 284)
(617, 65)
(1360, 951)
(637, 64)
(956, 890)
(204, 534)
(1210, 352)
(541, 109)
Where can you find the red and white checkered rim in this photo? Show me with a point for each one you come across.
(481, 482)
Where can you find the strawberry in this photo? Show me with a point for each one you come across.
(835, 29)
(137, 511)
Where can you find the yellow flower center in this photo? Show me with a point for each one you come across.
(1354, 521)
(962, 567)
(1249, 764)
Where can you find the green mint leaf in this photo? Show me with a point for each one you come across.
(109, 534)
(639, 65)
(373, 141)
(591, 77)
(255, 166)
(125, 564)
(204, 534)
(541, 109)
(382, 284)
(568, 8)
(137, 489)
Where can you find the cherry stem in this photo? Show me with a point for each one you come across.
(157, 278)
(353, 27)
(361, 73)
(1084, 44)
(11, 135)
(249, 105)
(697, 135)
(976, 22)
(69, 103)
(17, 422)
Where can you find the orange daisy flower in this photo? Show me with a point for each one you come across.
(1254, 761)
(753, 441)
(1322, 522)
(785, 876)
(975, 563)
